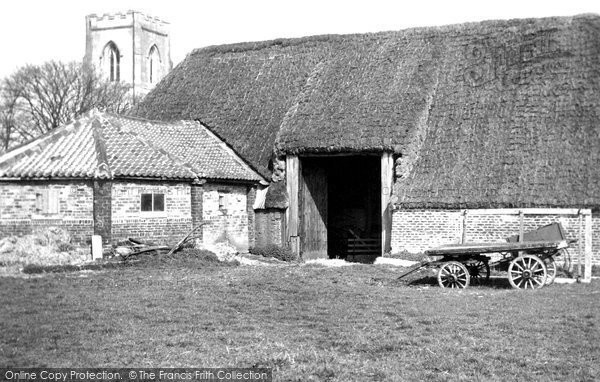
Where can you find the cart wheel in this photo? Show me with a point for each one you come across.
(527, 271)
(550, 270)
(453, 275)
(479, 271)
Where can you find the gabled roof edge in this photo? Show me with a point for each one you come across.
(237, 157)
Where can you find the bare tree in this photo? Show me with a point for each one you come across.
(38, 98)
(6, 123)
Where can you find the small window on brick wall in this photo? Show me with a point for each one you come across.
(46, 202)
(153, 202)
(223, 200)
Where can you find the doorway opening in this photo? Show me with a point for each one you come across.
(340, 207)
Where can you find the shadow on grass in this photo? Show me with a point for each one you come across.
(188, 258)
(37, 269)
(495, 282)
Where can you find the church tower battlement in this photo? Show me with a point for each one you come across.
(131, 47)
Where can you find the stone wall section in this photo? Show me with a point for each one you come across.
(134, 34)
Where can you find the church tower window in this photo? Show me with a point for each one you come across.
(153, 65)
(111, 60)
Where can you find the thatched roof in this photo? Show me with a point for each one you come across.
(497, 113)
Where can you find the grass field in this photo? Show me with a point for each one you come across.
(307, 322)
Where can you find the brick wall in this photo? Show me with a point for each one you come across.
(113, 210)
(494, 228)
(269, 226)
(230, 223)
(596, 237)
(103, 210)
(20, 215)
(250, 199)
(417, 230)
(168, 226)
(196, 195)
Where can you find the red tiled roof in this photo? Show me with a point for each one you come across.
(100, 145)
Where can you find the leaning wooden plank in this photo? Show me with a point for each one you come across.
(138, 241)
(180, 242)
(137, 250)
(415, 268)
(148, 249)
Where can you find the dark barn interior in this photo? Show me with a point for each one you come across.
(340, 203)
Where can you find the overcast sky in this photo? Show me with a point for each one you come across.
(34, 31)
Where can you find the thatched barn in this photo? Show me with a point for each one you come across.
(412, 138)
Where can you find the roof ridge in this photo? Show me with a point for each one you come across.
(103, 169)
(240, 47)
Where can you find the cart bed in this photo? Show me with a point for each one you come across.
(480, 248)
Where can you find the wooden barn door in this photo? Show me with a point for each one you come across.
(313, 210)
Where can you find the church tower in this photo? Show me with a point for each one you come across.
(131, 47)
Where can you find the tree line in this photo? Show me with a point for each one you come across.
(36, 99)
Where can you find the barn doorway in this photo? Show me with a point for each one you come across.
(340, 207)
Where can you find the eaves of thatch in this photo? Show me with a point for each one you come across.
(490, 114)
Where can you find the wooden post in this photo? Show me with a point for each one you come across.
(521, 230)
(387, 177)
(292, 174)
(587, 273)
(464, 228)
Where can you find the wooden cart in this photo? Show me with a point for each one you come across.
(529, 260)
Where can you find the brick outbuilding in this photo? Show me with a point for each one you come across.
(122, 177)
